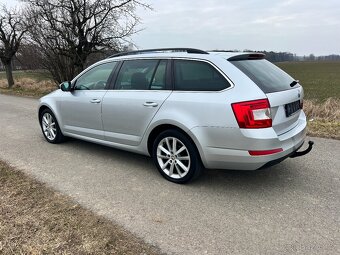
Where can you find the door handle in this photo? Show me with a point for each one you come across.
(150, 104)
(95, 101)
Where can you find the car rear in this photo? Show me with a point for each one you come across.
(270, 127)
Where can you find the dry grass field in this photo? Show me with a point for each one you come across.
(34, 219)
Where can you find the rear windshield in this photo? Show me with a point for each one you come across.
(266, 75)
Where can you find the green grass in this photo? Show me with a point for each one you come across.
(38, 75)
(320, 80)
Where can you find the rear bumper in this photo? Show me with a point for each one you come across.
(227, 148)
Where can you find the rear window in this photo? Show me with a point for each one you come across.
(191, 75)
(267, 76)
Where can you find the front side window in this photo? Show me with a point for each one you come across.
(191, 75)
(142, 74)
(96, 78)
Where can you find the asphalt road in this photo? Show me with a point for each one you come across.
(291, 208)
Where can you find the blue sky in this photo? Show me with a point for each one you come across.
(298, 26)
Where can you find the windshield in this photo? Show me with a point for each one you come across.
(267, 76)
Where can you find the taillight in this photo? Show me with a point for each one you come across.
(253, 114)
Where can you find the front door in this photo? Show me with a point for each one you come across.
(81, 109)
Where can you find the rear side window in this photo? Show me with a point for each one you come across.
(142, 75)
(191, 75)
(267, 76)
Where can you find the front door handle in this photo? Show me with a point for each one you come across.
(150, 104)
(95, 101)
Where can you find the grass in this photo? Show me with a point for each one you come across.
(320, 80)
(28, 87)
(34, 219)
(324, 117)
(38, 75)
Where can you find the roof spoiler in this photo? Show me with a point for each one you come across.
(247, 56)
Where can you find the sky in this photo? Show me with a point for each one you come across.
(298, 26)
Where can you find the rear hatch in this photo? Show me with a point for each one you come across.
(285, 95)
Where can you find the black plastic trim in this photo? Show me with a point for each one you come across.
(294, 154)
(247, 56)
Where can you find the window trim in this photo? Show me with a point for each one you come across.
(107, 86)
(168, 84)
(231, 84)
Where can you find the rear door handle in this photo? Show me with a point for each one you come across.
(150, 104)
(95, 101)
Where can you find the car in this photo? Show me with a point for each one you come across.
(186, 108)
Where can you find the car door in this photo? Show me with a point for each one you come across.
(140, 89)
(81, 108)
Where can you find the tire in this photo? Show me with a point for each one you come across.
(180, 166)
(50, 127)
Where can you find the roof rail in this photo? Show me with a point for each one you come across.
(135, 52)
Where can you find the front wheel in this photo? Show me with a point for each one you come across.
(176, 157)
(50, 127)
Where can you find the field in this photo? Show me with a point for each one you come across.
(320, 80)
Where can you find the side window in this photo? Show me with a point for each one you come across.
(143, 74)
(191, 75)
(96, 78)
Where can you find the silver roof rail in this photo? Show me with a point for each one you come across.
(135, 52)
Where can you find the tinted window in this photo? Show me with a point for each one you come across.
(193, 75)
(142, 75)
(96, 78)
(266, 75)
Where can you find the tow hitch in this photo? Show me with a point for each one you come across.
(301, 153)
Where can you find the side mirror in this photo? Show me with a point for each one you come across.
(66, 86)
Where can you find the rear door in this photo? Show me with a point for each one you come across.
(284, 94)
(140, 89)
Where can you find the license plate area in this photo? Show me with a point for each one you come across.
(292, 108)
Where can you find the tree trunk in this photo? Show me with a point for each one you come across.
(9, 73)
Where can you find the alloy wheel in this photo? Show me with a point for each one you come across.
(173, 157)
(49, 126)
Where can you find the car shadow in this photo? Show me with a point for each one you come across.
(278, 176)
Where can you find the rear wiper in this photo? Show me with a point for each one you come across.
(294, 83)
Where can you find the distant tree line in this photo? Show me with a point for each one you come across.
(29, 57)
(287, 56)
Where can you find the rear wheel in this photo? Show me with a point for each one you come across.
(176, 157)
(50, 127)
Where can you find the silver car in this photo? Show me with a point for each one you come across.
(186, 108)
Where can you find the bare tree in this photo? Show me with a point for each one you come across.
(68, 31)
(12, 31)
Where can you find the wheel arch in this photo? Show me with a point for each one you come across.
(162, 127)
(42, 107)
